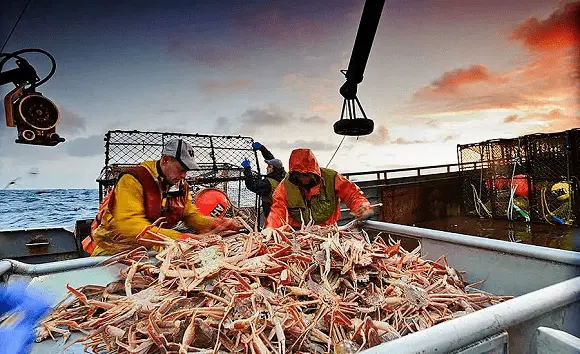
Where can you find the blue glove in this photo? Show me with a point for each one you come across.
(256, 145)
(18, 338)
(246, 163)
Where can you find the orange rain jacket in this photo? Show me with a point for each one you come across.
(303, 160)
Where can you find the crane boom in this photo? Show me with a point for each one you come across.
(349, 124)
(362, 47)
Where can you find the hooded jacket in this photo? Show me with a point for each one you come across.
(126, 218)
(345, 191)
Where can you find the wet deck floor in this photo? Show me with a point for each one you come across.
(554, 236)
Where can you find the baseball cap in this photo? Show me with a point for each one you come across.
(182, 152)
(274, 163)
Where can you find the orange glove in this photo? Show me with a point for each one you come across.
(186, 236)
(364, 212)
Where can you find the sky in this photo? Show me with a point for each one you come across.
(440, 73)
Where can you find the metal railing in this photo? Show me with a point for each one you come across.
(419, 171)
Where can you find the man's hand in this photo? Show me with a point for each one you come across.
(256, 146)
(364, 212)
(246, 163)
(227, 224)
(232, 224)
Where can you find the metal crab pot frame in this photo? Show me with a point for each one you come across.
(545, 281)
(218, 156)
(542, 160)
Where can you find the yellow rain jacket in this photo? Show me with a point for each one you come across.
(119, 227)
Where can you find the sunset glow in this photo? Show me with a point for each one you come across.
(439, 74)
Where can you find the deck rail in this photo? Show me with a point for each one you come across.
(419, 171)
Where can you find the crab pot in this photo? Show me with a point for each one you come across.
(551, 300)
(553, 165)
(476, 175)
(218, 157)
(544, 167)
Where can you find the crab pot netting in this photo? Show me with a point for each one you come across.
(548, 162)
(507, 159)
(474, 172)
(219, 158)
(554, 164)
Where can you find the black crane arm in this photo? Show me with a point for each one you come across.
(362, 47)
(349, 123)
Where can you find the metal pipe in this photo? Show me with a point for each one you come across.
(405, 169)
(17, 267)
(454, 334)
(538, 252)
(372, 206)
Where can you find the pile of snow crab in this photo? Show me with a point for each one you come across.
(318, 289)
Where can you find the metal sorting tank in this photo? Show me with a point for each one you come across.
(546, 283)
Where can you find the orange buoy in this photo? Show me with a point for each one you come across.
(521, 183)
(211, 202)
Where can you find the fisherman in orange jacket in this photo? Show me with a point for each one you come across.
(151, 190)
(312, 193)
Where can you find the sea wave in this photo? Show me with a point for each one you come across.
(32, 208)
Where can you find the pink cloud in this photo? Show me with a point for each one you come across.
(379, 137)
(559, 31)
(382, 136)
(553, 121)
(451, 81)
(549, 79)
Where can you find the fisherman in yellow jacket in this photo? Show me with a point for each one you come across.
(143, 194)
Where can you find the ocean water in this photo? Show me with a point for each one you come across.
(32, 208)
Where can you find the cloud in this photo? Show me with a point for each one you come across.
(265, 117)
(223, 125)
(382, 136)
(89, 146)
(559, 31)
(451, 81)
(255, 119)
(547, 81)
(379, 137)
(233, 85)
(312, 120)
(511, 118)
(556, 120)
(70, 122)
(544, 81)
(405, 141)
(315, 145)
